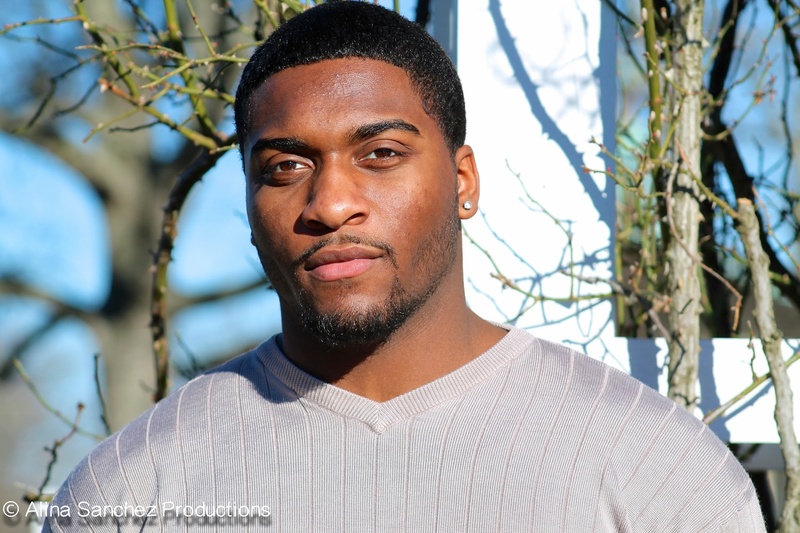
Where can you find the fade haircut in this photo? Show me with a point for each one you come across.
(344, 29)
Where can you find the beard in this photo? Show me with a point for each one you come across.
(435, 257)
(364, 327)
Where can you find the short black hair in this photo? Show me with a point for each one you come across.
(344, 29)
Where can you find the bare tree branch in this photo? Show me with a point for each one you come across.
(179, 303)
(771, 338)
(788, 37)
(163, 256)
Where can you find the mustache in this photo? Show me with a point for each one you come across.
(345, 239)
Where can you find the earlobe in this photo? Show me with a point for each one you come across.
(468, 182)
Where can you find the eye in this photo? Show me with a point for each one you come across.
(286, 166)
(382, 158)
(382, 153)
(282, 170)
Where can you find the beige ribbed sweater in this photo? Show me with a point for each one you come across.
(530, 436)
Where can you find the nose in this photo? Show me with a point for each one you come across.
(335, 198)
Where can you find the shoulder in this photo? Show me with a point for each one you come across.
(582, 379)
(666, 465)
(130, 466)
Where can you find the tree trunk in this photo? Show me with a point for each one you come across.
(683, 282)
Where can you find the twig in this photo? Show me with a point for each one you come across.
(145, 105)
(9, 27)
(789, 38)
(100, 397)
(175, 41)
(620, 15)
(719, 411)
(49, 408)
(628, 293)
(567, 233)
(535, 298)
(53, 450)
(656, 99)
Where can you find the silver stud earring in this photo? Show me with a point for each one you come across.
(467, 205)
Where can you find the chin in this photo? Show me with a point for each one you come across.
(366, 327)
(368, 324)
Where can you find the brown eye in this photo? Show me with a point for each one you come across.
(284, 170)
(286, 166)
(382, 153)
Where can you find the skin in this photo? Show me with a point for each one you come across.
(354, 200)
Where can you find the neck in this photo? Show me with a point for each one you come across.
(433, 342)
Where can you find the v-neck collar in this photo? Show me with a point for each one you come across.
(381, 415)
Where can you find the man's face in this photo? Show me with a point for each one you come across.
(352, 197)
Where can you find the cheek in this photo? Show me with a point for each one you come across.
(271, 230)
(433, 201)
(429, 221)
(275, 255)
(425, 196)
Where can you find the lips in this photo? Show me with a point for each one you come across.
(332, 263)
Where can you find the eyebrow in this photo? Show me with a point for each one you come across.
(371, 130)
(281, 144)
(361, 133)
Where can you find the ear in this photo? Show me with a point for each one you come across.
(469, 182)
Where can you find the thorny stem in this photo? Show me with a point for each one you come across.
(162, 258)
(113, 61)
(653, 83)
(176, 43)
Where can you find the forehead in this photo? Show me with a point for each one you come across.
(332, 94)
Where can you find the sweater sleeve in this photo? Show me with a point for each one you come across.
(743, 516)
(680, 477)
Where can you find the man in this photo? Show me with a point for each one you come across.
(386, 404)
